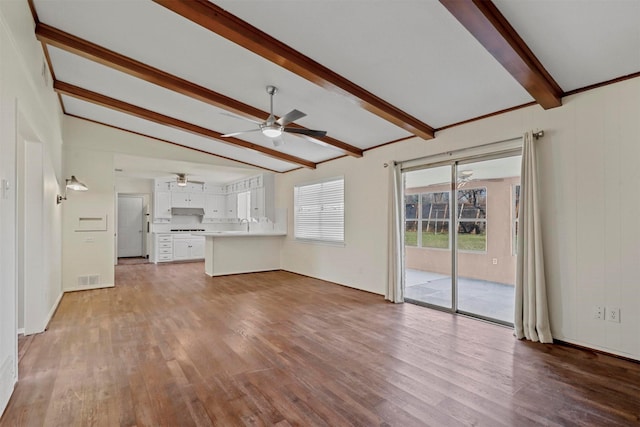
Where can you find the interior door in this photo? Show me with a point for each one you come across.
(130, 225)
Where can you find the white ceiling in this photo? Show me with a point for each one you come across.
(127, 166)
(411, 53)
(580, 42)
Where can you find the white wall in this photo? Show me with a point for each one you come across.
(88, 253)
(589, 178)
(38, 120)
(89, 152)
(26, 99)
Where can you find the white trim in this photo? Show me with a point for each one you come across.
(20, 331)
(320, 180)
(52, 311)
(320, 242)
(598, 347)
(88, 288)
(494, 148)
(260, 270)
(8, 381)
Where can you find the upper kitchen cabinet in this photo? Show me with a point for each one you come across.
(162, 206)
(219, 200)
(214, 207)
(191, 187)
(187, 200)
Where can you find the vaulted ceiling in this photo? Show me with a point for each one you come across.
(368, 73)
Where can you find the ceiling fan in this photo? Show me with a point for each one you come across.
(273, 129)
(182, 180)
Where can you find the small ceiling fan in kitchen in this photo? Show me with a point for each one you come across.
(273, 129)
(181, 180)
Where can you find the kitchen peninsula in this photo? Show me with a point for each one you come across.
(235, 252)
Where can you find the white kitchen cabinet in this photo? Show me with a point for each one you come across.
(161, 206)
(197, 247)
(163, 186)
(189, 188)
(231, 205)
(213, 189)
(179, 199)
(187, 200)
(214, 206)
(187, 247)
(181, 249)
(257, 203)
(162, 248)
(196, 200)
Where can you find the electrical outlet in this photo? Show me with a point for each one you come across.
(598, 312)
(495, 261)
(613, 314)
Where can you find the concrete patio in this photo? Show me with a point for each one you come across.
(487, 299)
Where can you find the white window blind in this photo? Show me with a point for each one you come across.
(319, 211)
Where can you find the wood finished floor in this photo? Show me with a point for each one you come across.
(169, 346)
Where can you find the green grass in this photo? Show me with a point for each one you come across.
(466, 242)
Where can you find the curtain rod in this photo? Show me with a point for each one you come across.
(537, 135)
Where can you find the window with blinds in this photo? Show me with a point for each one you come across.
(319, 211)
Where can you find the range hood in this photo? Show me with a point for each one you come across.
(187, 211)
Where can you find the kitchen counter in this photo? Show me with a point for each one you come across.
(235, 252)
(238, 233)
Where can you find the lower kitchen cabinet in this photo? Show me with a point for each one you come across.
(186, 247)
(162, 248)
(177, 247)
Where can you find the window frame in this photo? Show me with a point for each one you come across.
(324, 203)
(422, 219)
(483, 220)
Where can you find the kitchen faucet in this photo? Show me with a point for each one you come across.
(247, 221)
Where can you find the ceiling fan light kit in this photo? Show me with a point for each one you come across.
(273, 129)
(181, 180)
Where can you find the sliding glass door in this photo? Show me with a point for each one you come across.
(428, 277)
(460, 233)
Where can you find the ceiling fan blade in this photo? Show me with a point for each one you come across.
(235, 116)
(290, 117)
(238, 133)
(308, 132)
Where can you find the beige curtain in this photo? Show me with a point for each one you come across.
(395, 277)
(531, 312)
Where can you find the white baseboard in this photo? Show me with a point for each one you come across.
(600, 348)
(20, 331)
(53, 310)
(87, 288)
(8, 380)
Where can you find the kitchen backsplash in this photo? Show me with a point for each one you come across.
(194, 222)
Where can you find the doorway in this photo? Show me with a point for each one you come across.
(460, 231)
(131, 226)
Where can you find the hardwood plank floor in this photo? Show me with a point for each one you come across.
(170, 346)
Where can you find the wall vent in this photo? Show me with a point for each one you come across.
(90, 280)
